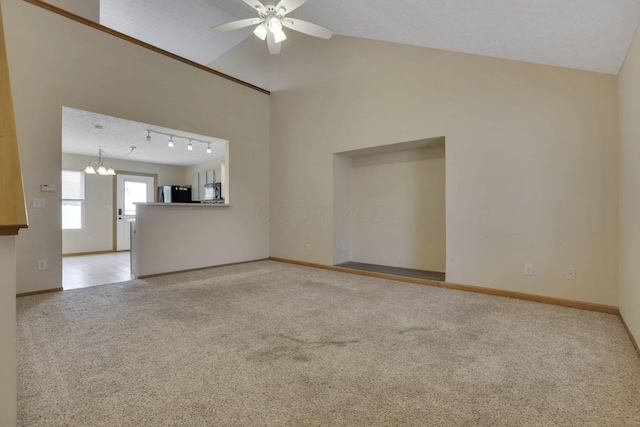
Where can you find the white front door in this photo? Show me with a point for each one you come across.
(130, 189)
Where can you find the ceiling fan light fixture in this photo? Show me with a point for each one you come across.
(261, 31)
(275, 26)
(272, 17)
(280, 36)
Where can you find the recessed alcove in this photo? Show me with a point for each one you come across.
(389, 208)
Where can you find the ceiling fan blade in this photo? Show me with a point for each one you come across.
(255, 4)
(289, 5)
(236, 25)
(307, 28)
(274, 48)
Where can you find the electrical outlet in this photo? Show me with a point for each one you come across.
(528, 269)
(571, 274)
(42, 264)
(308, 247)
(91, 238)
(180, 250)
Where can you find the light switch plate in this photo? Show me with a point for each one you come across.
(39, 203)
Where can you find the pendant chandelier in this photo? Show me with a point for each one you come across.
(99, 167)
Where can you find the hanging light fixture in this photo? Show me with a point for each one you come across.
(279, 36)
(190, 146)
(209, 148)
(148, 136)
(275, 25)
(171, 141)
(261, 31)
(99, 167)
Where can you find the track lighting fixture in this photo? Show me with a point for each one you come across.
(171, 141)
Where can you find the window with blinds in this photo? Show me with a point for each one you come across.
(72, 200)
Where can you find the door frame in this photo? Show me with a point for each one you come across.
(115, 199)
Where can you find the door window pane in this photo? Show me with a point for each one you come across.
(134, 192)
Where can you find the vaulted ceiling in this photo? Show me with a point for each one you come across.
(591, 35)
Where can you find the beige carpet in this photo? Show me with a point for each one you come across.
(271, 344)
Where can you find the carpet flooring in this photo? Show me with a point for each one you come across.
(272, 344)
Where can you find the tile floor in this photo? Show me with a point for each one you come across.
(90, 270)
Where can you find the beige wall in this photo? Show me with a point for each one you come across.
(531, 157)
(399, 209)
(342, 209)
(56, 62)
(97, 234)
(7, 331)
(205, 233)
(629, 110)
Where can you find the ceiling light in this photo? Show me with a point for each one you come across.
(209, 148)
(275, 26)
(172, 136)
(261, 32)
(99, 167)
(279, 36)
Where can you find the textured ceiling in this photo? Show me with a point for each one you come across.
(591, 35)
(117, 136)
(181, 27)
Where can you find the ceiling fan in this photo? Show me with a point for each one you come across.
(271, 18)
